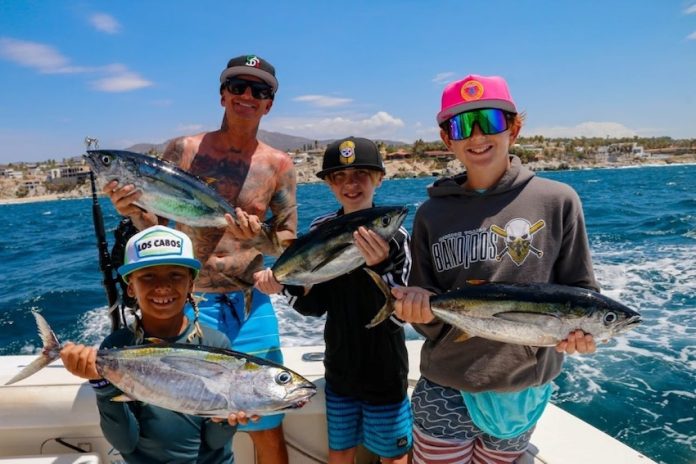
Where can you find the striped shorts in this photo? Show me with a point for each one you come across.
(385, 430)
(258, 335)
(443, 432)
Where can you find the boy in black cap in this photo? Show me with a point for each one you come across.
(366, 369)
(256, 178)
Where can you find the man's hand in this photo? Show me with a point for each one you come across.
(412, 304)
(123, 198)
(373, 247)
(577, 341)
(80, 360)
(244, 226)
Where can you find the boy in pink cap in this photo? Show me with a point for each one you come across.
(478, 400)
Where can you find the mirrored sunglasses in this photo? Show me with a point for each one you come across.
(491, 121)
(259, 90)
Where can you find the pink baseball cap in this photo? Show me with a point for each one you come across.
(475, 92)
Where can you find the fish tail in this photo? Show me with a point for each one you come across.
(49, 353)
(248, 295)
(270, 228)
(388, 308)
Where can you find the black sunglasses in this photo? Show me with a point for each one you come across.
(259, 90)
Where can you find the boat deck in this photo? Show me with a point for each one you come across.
(53, 414)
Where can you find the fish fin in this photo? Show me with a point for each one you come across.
(248, 296)
(154, 340)
(388, 308)
(49, 353)
(332, 255)
(464, 336)
(122, 398)
(208, 180)
(190, 365)
(247, 290)
(477, 281)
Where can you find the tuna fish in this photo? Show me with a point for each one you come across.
(196, 380)
(329, 250)
(527, 314)
(170, 192)
(166, 190)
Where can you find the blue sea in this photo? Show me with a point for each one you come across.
(639, 388)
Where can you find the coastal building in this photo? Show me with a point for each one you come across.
(438, 154)
(398, 155)
(10, 173)
(68, 174)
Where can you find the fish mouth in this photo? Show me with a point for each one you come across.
(629, 324)
(88, 157)
(303, 395)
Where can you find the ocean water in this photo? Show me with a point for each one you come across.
(639, 388)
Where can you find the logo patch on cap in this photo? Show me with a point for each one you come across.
(253, 60)
(472, 90)
(347, 151)
(159, 243)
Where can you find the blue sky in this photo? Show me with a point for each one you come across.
(146, 71)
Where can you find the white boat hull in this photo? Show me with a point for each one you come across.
(42, 416)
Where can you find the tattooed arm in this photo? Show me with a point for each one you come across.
(283, 203)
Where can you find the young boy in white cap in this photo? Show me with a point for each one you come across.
(365, 369)
(478, 400)
(159, 268)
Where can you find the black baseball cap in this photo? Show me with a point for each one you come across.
(351, 152)
(251, 65)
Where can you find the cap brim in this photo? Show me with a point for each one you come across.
(504, 105)
(127, 269)
(265, 76)
(324, 172)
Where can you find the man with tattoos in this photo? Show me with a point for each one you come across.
(255, 178)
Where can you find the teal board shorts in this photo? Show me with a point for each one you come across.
(258, 335)
(385, 430)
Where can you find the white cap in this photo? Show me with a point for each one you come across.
(158, 246)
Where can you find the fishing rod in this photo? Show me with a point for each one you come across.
(109, 282)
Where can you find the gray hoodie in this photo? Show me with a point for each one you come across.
(524, 229)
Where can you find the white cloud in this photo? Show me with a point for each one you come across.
(691, 36)
(585, 129)
(379, 125)
(121, 80)
(443, 77)
(43, 58)
(46, 59)
(691, 9)
(322, 100)
(105, 23)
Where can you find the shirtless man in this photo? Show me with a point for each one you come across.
(255, 178)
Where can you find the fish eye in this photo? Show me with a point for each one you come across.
(386, 220)
(283, 377)
(106, 159)
(609, 318)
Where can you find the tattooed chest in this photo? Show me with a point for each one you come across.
(236, 180)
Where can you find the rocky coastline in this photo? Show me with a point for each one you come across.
(396, 169)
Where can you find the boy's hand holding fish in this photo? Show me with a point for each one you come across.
(413, 305)
(80, 360)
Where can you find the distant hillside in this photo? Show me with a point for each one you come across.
(275, 139)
